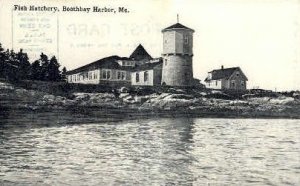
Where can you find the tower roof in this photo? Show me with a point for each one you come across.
(140, 53)
(177, 26)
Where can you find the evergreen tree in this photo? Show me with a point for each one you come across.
(12, 66)
(5, 63)
(36, 70)
(24, 65)
(2, 61)
(53, 70)
(44, 67)
(64, 74)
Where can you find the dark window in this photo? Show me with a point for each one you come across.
(146, 76)
(123, 76)
(137, 77)
(106, 74)
(119, 75)
(166, 62)
(186, 39)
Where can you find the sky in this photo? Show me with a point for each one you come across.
(260, 36)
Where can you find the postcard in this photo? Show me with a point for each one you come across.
(149, 92)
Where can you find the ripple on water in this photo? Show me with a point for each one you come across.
(160, 151)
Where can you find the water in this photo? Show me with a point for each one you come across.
(159, 151)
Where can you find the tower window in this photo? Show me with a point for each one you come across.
(186, 39)
(166, 62)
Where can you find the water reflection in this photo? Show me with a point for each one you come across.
(157, 151)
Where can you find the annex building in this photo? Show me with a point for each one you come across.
(226, 78)
(173, 68)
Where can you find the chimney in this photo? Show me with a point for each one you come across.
(222, 67)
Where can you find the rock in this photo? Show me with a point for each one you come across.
(170, 101)
(296, 95)
(123, 95)
(239, 103)
(6, 86)
(124, 90)
(262, 100)
(81, 96)
(282, 100)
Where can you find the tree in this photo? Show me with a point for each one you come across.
(2, 61)
(44, 67)
(53, 70)
(36, 70)
(24, 65)
(64, 74)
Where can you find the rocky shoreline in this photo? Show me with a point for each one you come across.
(200, 104)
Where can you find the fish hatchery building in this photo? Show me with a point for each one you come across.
(174, 68)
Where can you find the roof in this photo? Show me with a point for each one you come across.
(147, 66)
(108, 62)
(140, 53)
(223, 73)
(177, 26)
(111, 62)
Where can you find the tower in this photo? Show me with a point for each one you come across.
(177, 55)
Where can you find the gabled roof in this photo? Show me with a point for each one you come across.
(140, 53)
(224, 73)
(177, 26)
(108, 62)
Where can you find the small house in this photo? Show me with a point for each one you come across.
(226, 78)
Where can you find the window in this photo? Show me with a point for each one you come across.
(237, 74)
(216, 83)
(166, 62)
(121, 75)
(85, 76)
(146, 76)
(137, 77)
(242, 83)
(90, 75)
(118, 75)
(232, 83)
(106, 74)
(95, 75)
(186, 39)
